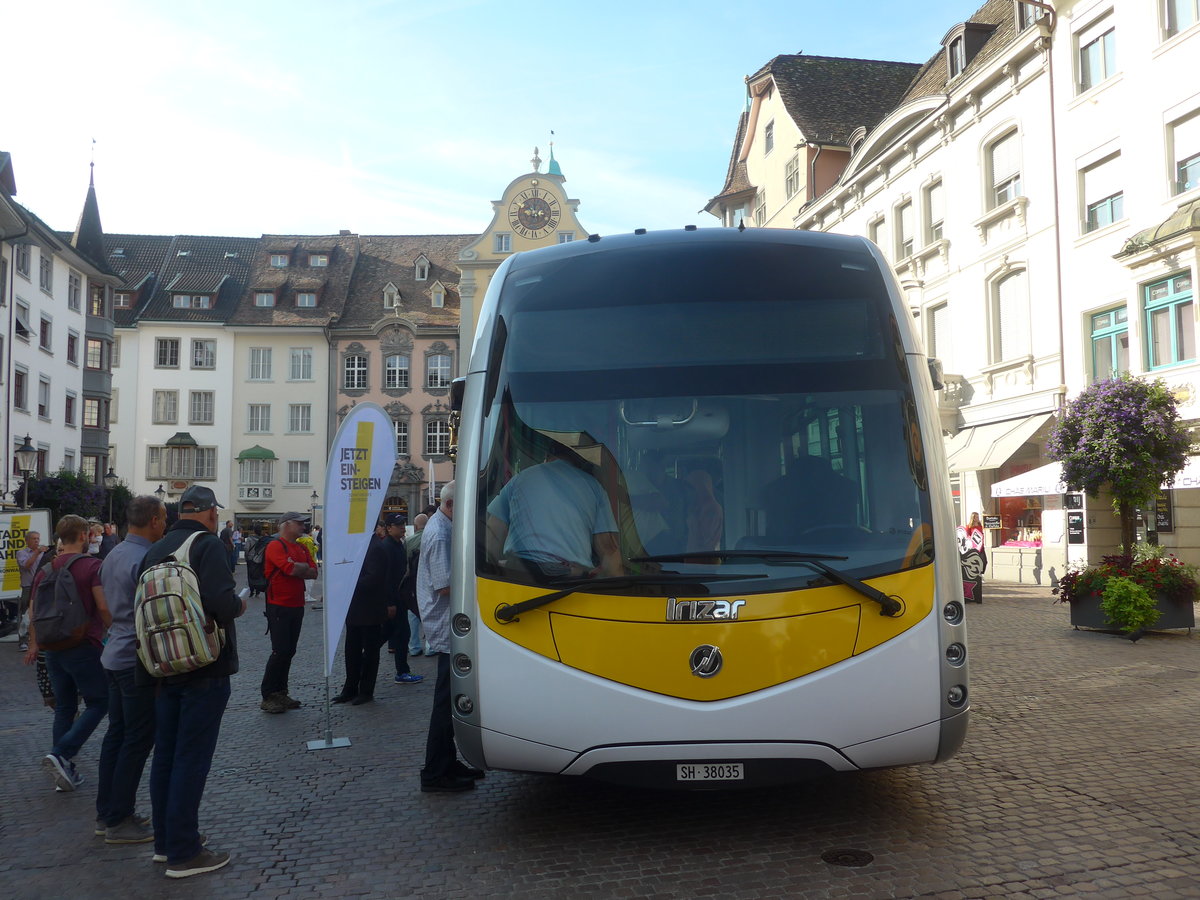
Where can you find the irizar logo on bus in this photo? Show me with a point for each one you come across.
(702, 610)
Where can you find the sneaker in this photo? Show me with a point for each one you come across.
(22, 646)
(289, 701)
(448, 784)
(204, 861)
(63, 771)
(416, 652)
(162, 857)
(408, 678)
(129, 831)
(102, 828)
(273, 704)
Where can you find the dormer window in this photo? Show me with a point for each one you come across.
(264, 298)
(1027, 14)
(122, 301)
(279, 260)
(391, 297)
(422, 268)
(962, 43)
(191, 301)
(306, 299)
(958, 57)
(318, 260)
(438, 296)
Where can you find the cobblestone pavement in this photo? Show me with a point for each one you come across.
(1081, 775)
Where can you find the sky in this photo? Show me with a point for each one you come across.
(249, 117)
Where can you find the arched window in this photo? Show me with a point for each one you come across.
(355, 373)
(1010, 317)
(395, 371)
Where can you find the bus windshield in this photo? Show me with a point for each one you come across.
(674, 404)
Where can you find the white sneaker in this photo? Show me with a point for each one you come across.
(63, 771)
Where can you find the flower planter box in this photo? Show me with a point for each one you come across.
(1086, 613)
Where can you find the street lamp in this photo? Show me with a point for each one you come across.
(160, 493)
(26, 456)
(110, 482)
(312, 505)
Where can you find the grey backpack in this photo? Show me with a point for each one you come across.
(60, 620)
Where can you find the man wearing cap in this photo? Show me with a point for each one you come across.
(376, 599)
(188, 708)
(286, 567)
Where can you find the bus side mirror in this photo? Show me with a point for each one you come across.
(935, 373)
(457, 387)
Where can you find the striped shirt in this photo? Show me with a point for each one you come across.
(433, 575)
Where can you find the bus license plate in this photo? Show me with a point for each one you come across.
(733, 771)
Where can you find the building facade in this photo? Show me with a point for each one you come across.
(1039, 212)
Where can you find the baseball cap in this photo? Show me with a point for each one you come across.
(200, 498)
(293, 517)
(395, 519)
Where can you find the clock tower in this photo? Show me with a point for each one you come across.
(533, 212)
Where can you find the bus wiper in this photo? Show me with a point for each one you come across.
(889, 606)
(508, 612)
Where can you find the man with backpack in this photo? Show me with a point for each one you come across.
(130, 735)
(67, 619)
(189, 706)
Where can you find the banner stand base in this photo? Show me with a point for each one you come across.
(329, 744)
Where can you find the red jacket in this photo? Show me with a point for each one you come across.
(284, 588)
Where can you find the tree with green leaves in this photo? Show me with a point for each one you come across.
(1125, 433)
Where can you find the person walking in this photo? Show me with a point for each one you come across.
(376, 599)
(189, 707)
(443, 771)
(227, 542)
(73, 664)
(287, 565)
(412, 545)
(29, 560)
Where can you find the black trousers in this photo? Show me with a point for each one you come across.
(440, 752)
(362, 659)
(398, 637)
(283, 622)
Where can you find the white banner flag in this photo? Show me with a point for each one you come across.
(356, 481)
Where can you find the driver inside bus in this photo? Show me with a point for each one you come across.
(555, 518)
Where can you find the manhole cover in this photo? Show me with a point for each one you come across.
(849, 858)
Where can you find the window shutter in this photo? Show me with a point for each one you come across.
(1005, 159)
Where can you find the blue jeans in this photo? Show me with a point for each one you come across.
(73, 674)
(414, 634)
(188, 721)
(126, 747)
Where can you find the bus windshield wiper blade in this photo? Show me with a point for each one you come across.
(507, 612)
(889, 606)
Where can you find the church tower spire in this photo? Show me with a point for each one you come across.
(88, 238)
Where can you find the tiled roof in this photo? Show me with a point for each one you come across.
(219, 264)
(829, 97)
(736, 179)
(331, 283)
(137, 259)
(933, 76)
(388, 259)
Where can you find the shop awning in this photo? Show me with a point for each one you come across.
(1048, 480)
(990, 446)
(1034, 483)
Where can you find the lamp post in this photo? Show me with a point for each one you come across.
(160, 493)
(312, 506)
(26, 456)
(110, 482)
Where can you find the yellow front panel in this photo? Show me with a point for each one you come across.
(777, 637)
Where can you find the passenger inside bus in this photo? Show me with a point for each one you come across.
(554, 519)
(809, 496)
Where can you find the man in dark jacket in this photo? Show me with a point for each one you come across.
(189, 707)
(376, 599)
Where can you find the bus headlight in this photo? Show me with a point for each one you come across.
(464, 704)
(461, 624)
(957, 695)
(953, 612)
(462, 664)
(956, 654)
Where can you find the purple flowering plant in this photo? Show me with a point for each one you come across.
(1126, 433)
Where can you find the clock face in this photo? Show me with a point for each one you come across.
(534, 213)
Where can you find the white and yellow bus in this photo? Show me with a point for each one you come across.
(702, 533)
